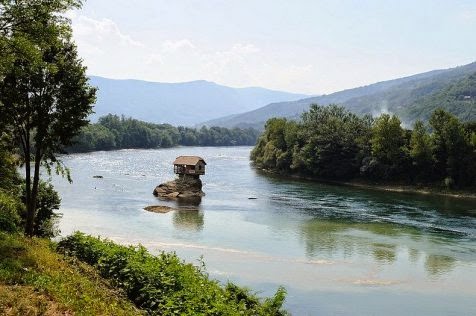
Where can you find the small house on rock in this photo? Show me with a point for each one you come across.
(189, 165)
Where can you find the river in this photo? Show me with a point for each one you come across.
(337, 250)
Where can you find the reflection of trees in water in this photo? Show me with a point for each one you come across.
(188, 220)
(331, 238)
(384, 253)
(437, 265)
(189, 216)
(413, 254)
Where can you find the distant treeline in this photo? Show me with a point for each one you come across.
(332, 143)
(115, 132)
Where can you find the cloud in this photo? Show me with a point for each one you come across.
(109, 51)
(173, 46)
(154, 59)
(98, 32)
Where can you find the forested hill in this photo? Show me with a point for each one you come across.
(114, 132)
(406, 97)
(186, 103)
(458, 98)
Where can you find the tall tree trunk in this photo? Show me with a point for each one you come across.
(30, 214)
(31, 204)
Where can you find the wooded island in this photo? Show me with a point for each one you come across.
(334, 144)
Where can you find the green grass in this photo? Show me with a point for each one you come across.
(83, 275)
(35, 280)
(164, 284)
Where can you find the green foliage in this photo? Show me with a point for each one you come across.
(421, 151)
(10, 204)
(10, 209)
(165, 285)
(93, 137)
(45, 97)
(272, 150)
(114, 132)
(453, 151)
(389, 151)
(457, 98)
(48, 201)
(329, 143)
(388, 138)
(9, 177)
(332, 143)
(35, 280)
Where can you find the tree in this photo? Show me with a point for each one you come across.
(334, 139)
(388, 147)
(388, 138)
(453, 152)
(45, 93)
(271, 152)
(421, 150)
(48, 201)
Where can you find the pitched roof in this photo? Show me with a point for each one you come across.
(188, 160)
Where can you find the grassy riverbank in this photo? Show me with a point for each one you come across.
(35, 280)
(84, 275)
(166, 285)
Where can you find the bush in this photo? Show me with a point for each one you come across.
(48, 201)
(9, 213)
(164, 284)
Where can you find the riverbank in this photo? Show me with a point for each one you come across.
(83, 275)
(35, 280)
(377, 186)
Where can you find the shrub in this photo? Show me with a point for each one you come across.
(47, 203)
(164, 284)
(9, 213)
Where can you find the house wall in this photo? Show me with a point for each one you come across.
(200, 168)
(189, 169)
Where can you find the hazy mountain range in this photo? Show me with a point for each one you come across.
(185, 103)
(412, 98)
(207, 103)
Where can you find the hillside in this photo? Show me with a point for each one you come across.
(185, 103)
(458, 98)
(404, 96)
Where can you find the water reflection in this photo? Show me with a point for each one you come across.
(413, 255)
(188, 220)
(329, 237)
(380, 241)
(338, 198)
(384, 253)
(437, 265)
(188, 215)
(189, 202)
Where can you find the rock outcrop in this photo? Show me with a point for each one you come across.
(166, 209)
(182, 187)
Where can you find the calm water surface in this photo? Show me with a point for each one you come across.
(337, 250)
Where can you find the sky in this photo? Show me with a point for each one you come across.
(302, 46)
